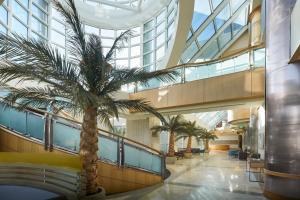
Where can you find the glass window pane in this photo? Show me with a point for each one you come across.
(43, 4)
(160, 39)
(160, 52)
(39, 13)
(225, 37)
(135, 51)
(24, 3)
(107, 33)
(56, 14)
(189, 52)
(235, 4)
(19, 28)
(37, 37)
(206, 34)
(20, 12)
(107, 42)
(58, 26)
(135, 62)
(171, 16)
(209, 52)
(148, 35)
(161, 17)
(3, 15)
(39, 27)
(222, 17)
(148, 59)
(171, 29)
(122, 53)
(148, 46)
(57, 38)
(148, 25)
(62, 51)
(136, 40)
(136, 31)
(215, 3)
(3, 29)
(91, 30)
(122, 63)
(201, 12)
(239, 22)
(161, 27)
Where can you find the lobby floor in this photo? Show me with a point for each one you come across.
(214, 176)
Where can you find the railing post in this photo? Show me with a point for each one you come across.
(46, 133)
(119, 152)
(50, 133)
(122, 152)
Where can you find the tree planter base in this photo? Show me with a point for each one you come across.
(171, 160)
(187, 155)
(98, 196)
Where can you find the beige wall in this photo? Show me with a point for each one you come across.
(240, 44)
(237, 86)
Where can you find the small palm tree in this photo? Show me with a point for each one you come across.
(191, 130)
(173, 125)
(85, 84)
(206, 135)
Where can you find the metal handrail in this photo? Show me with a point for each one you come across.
(47, 141)
(69, 183)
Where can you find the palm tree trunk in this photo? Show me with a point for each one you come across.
(171, 145)
(206, 144)
(89, 148)
(189, 145)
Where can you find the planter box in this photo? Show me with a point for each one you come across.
(171, 160)
(187, 155)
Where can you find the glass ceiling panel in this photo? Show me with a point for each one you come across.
(206, 34)
(235, 4)
(215, 3)
(201, 12)
(222, 17)
(225, 37)
(209, 52)
(189, 52)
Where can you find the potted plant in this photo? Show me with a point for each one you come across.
(84, 84)
(191, 130)
(173, 125)
(206, 136)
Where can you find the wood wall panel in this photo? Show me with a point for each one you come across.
(236, 86)
(112, 178)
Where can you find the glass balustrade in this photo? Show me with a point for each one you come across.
(140, 158)
(192, 72)
(23, 122)
(66, 135)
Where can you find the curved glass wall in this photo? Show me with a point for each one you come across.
(38, 19)
(214, 25)
(157, 34)
(28, 18)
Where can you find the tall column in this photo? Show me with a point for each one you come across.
(282, 105)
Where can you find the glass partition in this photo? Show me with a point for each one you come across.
(23, 122)
(140, 158)
(108, 149)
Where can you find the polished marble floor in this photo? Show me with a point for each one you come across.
(213, 176)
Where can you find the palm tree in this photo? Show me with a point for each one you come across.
(206, 135)
(191, 130)
(84, 84)
(173, 125)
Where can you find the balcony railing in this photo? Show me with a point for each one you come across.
(249, 59)
(54, 131)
